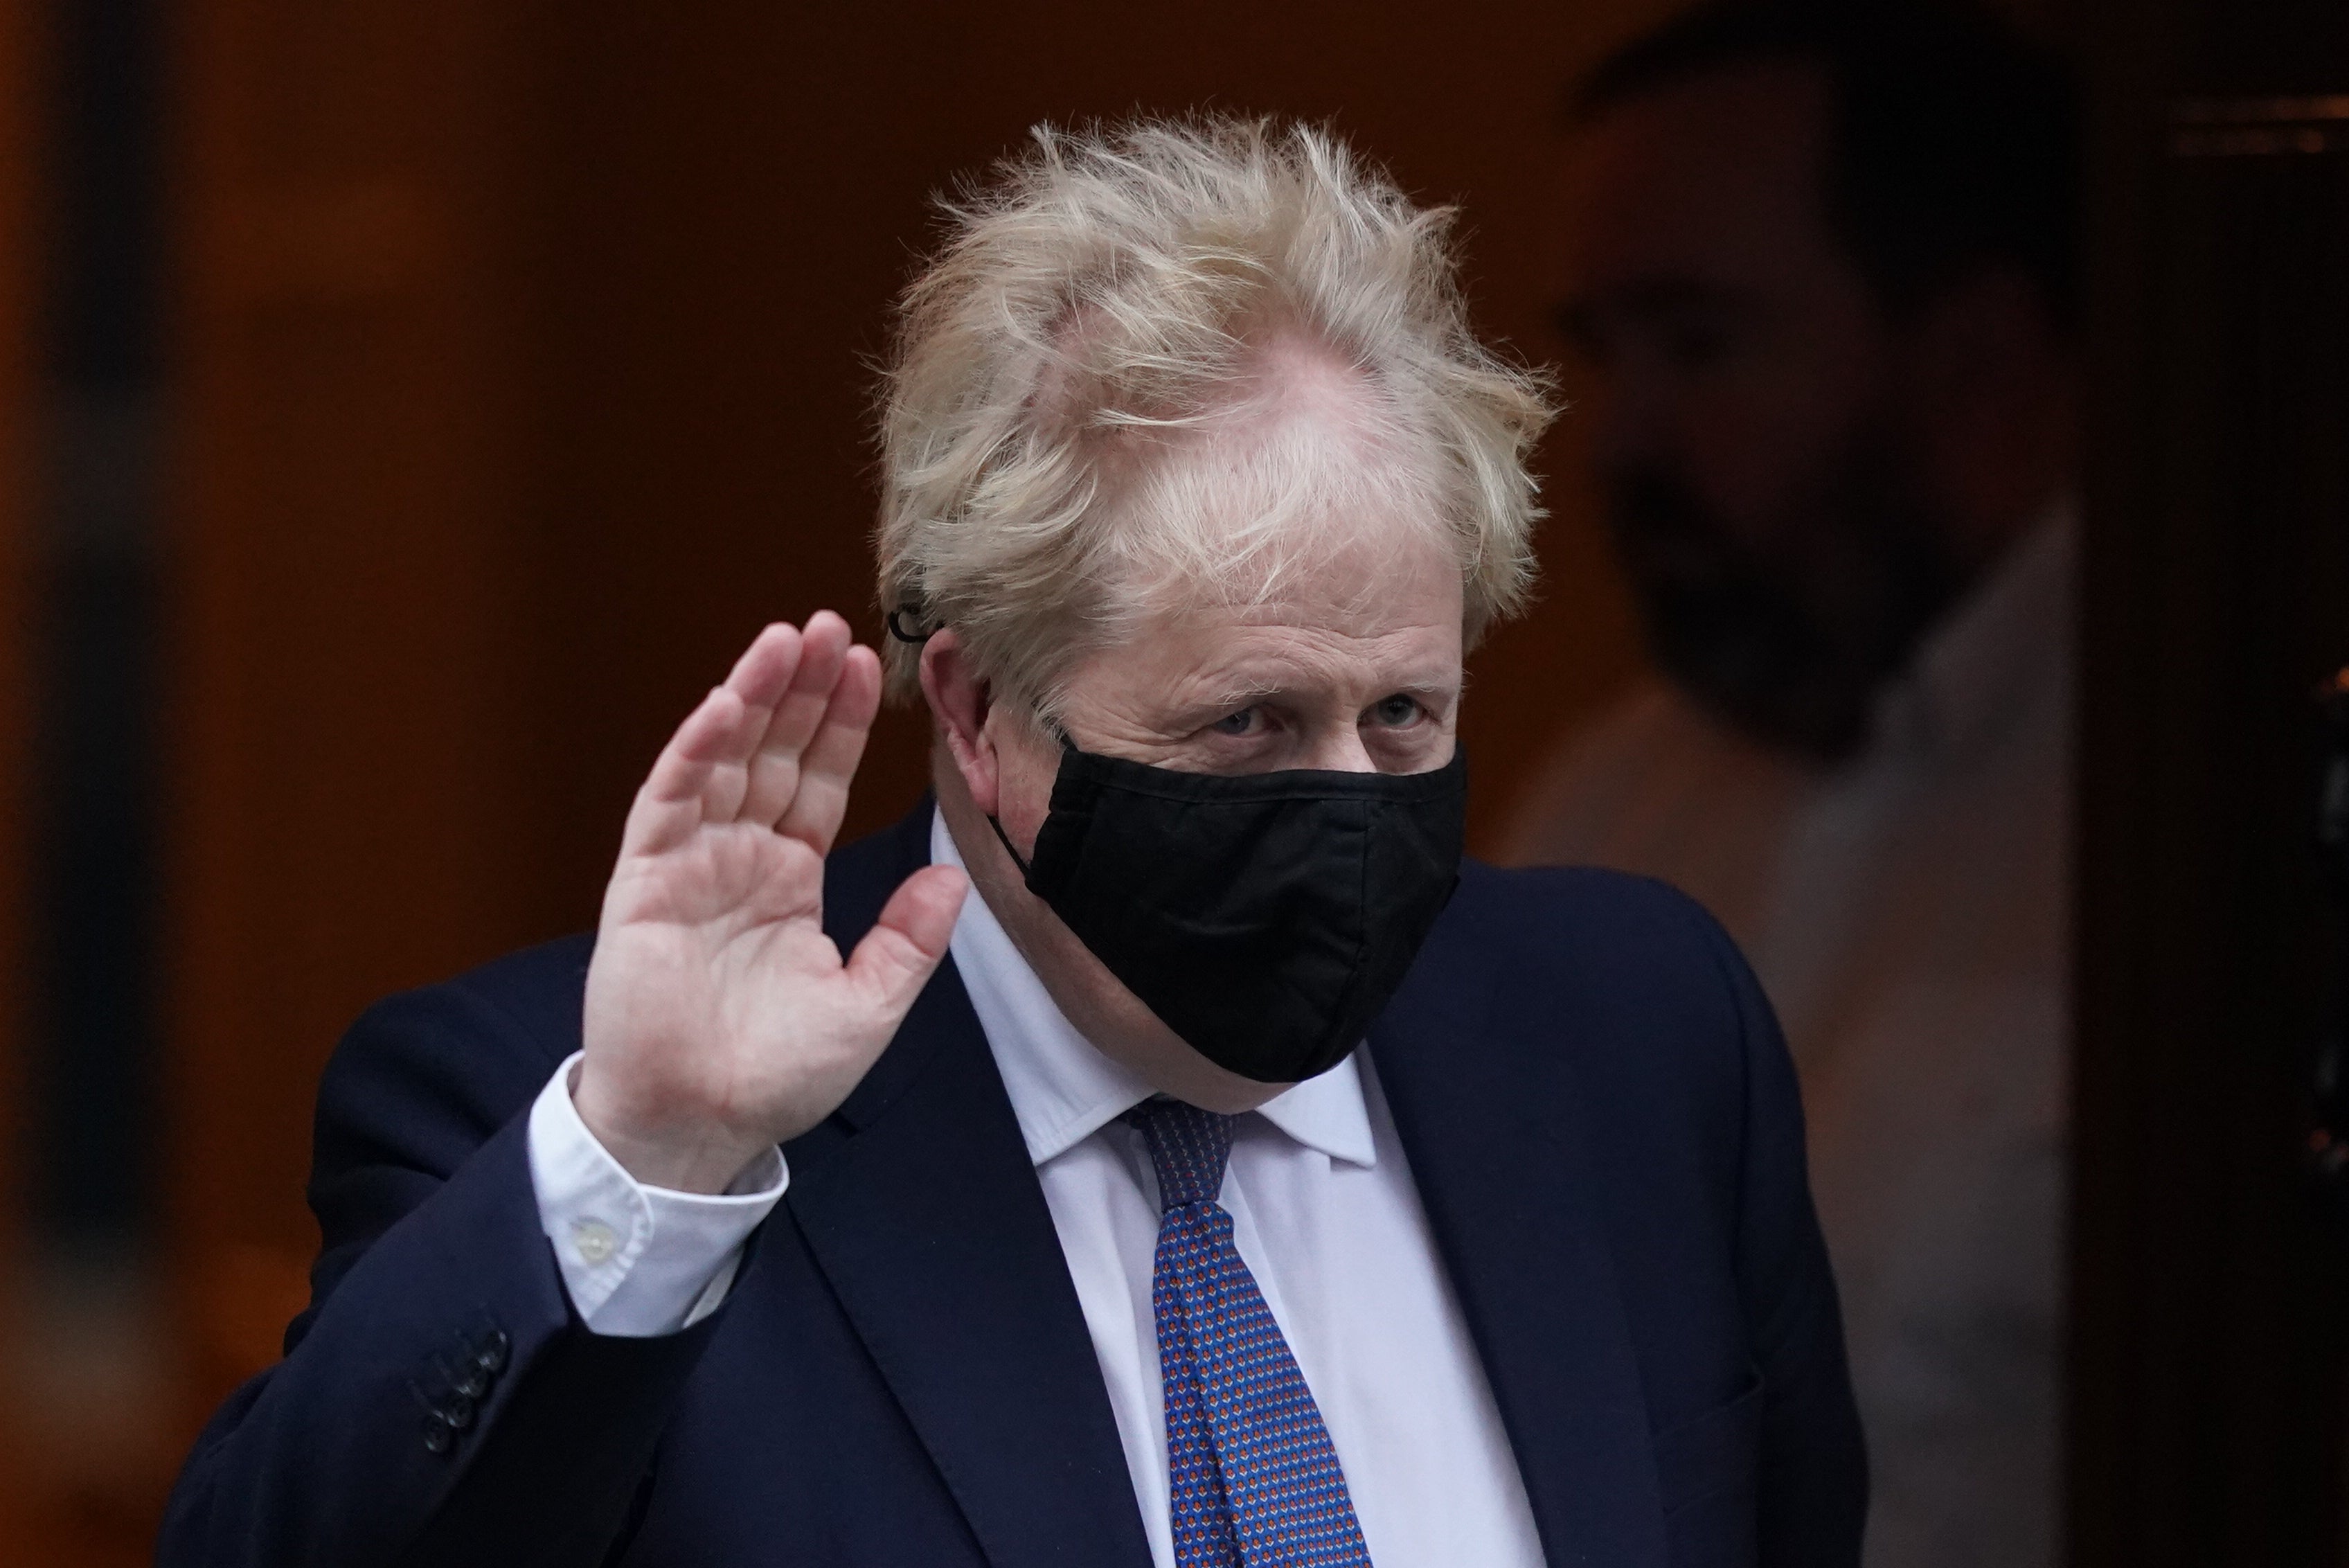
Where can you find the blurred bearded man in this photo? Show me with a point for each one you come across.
(1161, 1149)
(1821, 288)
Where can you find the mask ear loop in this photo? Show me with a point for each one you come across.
(905, 624)
(1006, 840)
(1068, 748)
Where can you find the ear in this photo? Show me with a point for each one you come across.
(959, 701)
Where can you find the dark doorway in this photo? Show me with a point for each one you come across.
(2211, 1280)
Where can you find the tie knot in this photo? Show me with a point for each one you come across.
(1187, 1149)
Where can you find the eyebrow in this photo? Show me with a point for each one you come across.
(1257, 690)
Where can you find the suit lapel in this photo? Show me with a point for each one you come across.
(922, 1210)
(1500, 1160)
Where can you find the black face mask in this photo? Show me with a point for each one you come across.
(1266, 918)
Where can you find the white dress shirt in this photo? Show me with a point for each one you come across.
(1326, 1217)
(1909, 914)
(637, 1260)
(1323, 1211)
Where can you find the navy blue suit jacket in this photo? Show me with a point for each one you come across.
(1596, 1104)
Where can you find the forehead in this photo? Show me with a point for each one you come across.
(1716, 179)
(1355, 611)
(1298, 538)
(1299, 501)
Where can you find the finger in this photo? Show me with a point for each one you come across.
(898, 955)
(828, 766)
(763, 671)
(798, 713)
(699, 777)
(670, 802)
(758, 679)
(765, 668)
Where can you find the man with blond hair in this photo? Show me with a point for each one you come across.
(1160, 1148)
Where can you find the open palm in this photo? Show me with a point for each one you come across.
(720, 1019)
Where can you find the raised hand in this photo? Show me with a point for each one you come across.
(719, 1017)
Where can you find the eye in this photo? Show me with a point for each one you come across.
(1242, 722)
(1397, 711)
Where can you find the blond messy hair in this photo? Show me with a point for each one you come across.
(1092, 316)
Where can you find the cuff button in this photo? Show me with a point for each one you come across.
(594, 1242)
(439, 1436)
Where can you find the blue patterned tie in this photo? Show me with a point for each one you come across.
(1253, 1482)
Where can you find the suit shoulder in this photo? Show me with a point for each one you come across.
(466, 1052)
(1613, 999)
(534, 993)
(1590, 907)
(1629, 974)
(539, 989)
(474, 1049)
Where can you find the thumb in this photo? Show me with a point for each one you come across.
(897, 956)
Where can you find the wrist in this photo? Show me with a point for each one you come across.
(679, 1154)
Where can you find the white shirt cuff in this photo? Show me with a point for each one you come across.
(638, 1261)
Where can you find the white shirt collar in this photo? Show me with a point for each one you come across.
(1063, 1090)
